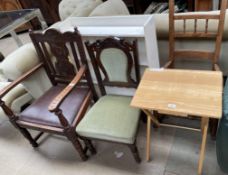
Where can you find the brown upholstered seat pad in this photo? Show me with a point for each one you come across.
(38, 111)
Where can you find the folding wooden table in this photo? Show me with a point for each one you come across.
(181, 93)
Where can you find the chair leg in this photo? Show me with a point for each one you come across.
(213, 124)
(90, 146)
(24, 132)
(28, 136)
(71, 135)
(135, 152)
(78, 147)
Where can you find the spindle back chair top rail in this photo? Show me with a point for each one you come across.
(196, 17)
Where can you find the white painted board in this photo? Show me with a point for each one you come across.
(141, 27)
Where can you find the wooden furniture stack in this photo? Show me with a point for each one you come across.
(203, 5)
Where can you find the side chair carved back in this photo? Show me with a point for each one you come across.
(115, 62)
(60, 108)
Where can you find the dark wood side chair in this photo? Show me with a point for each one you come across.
(60, 108)
(212, 56)
(111, 118)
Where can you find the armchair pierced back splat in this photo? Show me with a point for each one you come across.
(62, 55)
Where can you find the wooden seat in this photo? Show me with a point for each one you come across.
(60, 108)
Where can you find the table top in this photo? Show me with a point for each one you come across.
(184, 92)
(8, 17)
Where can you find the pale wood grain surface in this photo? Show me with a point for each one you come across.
(181, 91)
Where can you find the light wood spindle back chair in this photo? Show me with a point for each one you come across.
(211, 56)
(206, 34)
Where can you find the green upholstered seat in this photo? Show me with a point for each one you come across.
(111, 119)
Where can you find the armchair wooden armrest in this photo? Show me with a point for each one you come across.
(53, 107)
(5, 90)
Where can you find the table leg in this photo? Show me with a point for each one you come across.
(148, 138)
(150, 118)
(41, 19)
(16, 38)
(153, 118)
(202, 124)
(204, 127)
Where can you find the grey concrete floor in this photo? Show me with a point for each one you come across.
(173, 151)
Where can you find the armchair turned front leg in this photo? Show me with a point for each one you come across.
(13, 118)
(70, 133)
(9, 113)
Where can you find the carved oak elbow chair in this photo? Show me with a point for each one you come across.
(111, 118)
(61, 107)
